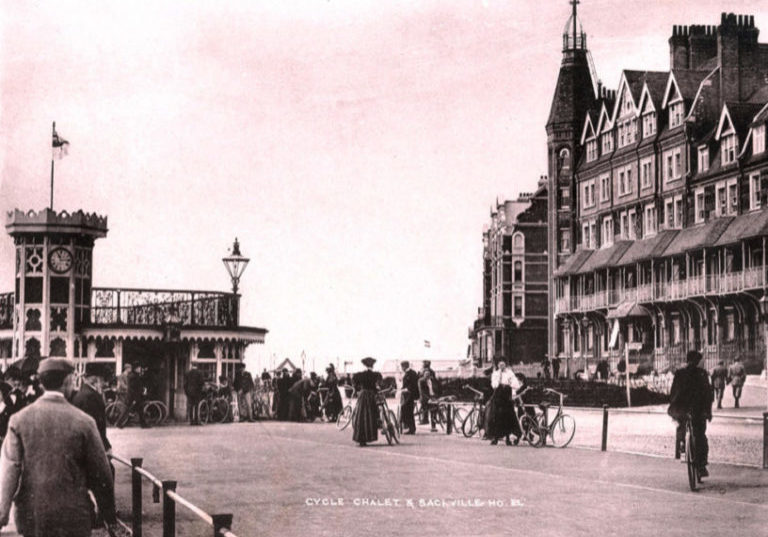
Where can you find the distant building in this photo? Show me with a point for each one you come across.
(661, 198)
(512, 322)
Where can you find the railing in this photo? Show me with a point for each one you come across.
(645, 293)
(6, 310)
(221, 523)
(146, 307)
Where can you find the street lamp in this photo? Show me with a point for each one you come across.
(235, 265)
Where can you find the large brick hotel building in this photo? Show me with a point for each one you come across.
(661, 195)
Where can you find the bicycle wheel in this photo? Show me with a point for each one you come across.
(392, 425)
(399, 420)
(469, 426)
(113, 412)
(562, 431)
(152, 413)
(345, 418)
(531, 432)
(458, 418)
(203, 411)
(690, 457)
(385, 428)
(441, 416)
(163, 411)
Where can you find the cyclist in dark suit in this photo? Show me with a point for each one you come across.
(366, 421)
(692, 394)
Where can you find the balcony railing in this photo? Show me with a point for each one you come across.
(156, 308)
(717, 284)
(6, 311)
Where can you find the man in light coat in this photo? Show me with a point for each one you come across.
(49, 460)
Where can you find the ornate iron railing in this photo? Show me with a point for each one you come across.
(6, 310)
(157, 308)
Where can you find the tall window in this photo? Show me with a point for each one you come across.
(632, 224)
(518, 306)
(669, 214)
(649, 124)
(650, 220)
(605, 181)
(622, 183)
(607, 141)
(703, 159)
(733, 198)
(518, 272)
(678, 211)
(754, 191)
(591, 150)
(722, 200)
(728, 149)
(585, 236)
(565, 241)
(758, 139)
(646, 173)
(700, 215)
(675, 114)
(630, 187)
(673, 168)
(607, 230)
(623, 225)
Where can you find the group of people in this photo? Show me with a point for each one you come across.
(53, 458)
(735, 375)
(299, 398)
(132, 389)
(423, 387)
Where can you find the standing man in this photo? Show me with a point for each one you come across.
(719, 380)
(738, 375)
(408, 401)
(426, 372)
(545, 367)
(555, 367)
(135, 395)
(50, 459)
(122, 384)
(89, 400)
(194, 382)
(246, 395)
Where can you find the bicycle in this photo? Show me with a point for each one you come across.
(387, 418)
(562, 427)
(474, 421)
(531, 431)
(438, 409)
(212, 408)
(691, 455)
(118, 414)
(346, 415)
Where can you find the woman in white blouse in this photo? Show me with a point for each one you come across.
(502, 419)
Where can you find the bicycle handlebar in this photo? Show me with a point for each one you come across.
(561, 395)
(470, 388)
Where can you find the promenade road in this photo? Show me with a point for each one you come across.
(271, 474)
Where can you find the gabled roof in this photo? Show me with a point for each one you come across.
(633, 81)
(737, 115)
(573, 262)
(648, 248)
(605, 122)
(589, 129)
(693, 238)
(654, 83)
(682, 82)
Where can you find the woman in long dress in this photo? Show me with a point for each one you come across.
(501, 416)
(366, 421)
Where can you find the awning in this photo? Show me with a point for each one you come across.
(647, 249)
(626, 310)
(694, 238)
(744, 227)
(573, 263)
(604, 257)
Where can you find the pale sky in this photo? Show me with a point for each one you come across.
(353, 146)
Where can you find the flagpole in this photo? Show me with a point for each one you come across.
(53, 132)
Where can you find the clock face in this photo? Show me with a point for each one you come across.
(60, 260)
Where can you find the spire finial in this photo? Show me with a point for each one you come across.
(574, 3)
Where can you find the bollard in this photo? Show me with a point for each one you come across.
(765, 440)
(449, 419)
(220, 522)
(169, 510)
(136, 496)
(604, 444)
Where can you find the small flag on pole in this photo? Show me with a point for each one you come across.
(427, 344)
(59, 145)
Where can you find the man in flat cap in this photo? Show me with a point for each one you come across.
(49, 460)
(89, 399)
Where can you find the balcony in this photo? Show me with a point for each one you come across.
(155, 308)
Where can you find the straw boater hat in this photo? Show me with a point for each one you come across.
(55, 364)
(368, 361)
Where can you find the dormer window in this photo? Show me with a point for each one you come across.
(703, 159)
(591, 150)
(649, 124)
(607, 140)
(676, 114)
(758, 139)
(728, 147)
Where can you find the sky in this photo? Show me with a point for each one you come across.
(354, 147)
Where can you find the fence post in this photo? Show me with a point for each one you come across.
(449, 419)
(765, 440)
(221, 521)
(604, 444)
(169, 510)
(136, 496)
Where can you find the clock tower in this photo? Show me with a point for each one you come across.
(575, 94)
(53, 270)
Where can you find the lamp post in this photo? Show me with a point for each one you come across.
(764, 311)
(235, 264)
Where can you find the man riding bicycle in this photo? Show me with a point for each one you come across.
(692, 394)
